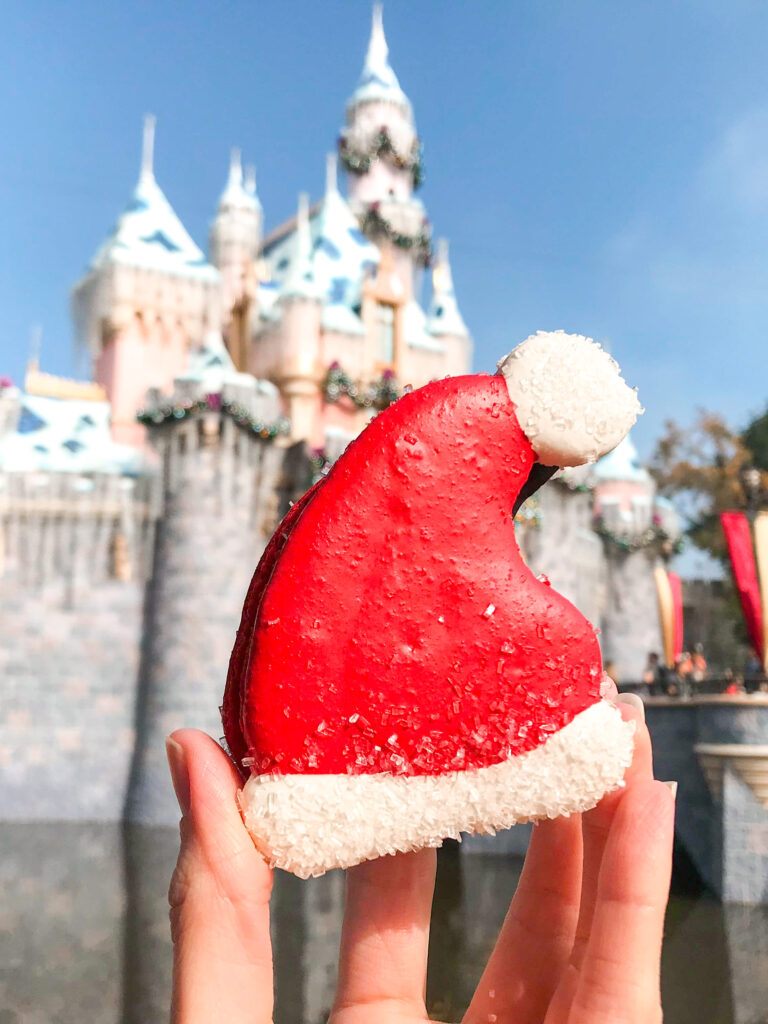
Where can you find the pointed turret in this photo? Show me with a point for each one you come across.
(301, 301)
(149, 296)
(149, 234)
(147, 172)
(624, 490)
(444, 315)
(378, 80)
(331, 175)
(239, 192)
(381, 152)
(250, 182)
(300, 282)
(235, 240)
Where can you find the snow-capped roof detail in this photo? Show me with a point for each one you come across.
(148, 233)
(212, 366)
(342, 319)
(623, 463)
(378, 80)
(444, 316)
(66, 435)
(239, 193)
(415, 329)
(341, 256)
(299, 281)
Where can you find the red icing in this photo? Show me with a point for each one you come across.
(241, 652)
(393, 625)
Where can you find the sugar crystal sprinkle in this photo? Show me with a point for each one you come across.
(308, 823)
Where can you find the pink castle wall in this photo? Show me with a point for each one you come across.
(134, 359)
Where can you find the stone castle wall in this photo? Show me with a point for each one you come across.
(224, 490)
(76, 555)
(566, 549)
(630, 624)
(722, 812)
(614, 589)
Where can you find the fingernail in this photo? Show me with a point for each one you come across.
(672, 787)
(177, 762)
(606, 684)
(633, 701)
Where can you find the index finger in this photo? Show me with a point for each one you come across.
(385, 940)
(619, 977)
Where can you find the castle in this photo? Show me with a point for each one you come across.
(134, 509)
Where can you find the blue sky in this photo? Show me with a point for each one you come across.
(598, 166)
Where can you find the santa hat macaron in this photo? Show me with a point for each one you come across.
(400, 676)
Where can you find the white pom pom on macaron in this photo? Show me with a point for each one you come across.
(571, 400)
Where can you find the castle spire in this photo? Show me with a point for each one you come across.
(376, 58)
(300, 282)
(235, 167)
(378, 80)
(148, 149)
(239, 192)
(444, 315)
(35, 342)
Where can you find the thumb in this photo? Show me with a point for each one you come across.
(219, 894)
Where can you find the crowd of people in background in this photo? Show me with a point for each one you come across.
(690, 676)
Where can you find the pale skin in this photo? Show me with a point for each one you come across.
(581, 943)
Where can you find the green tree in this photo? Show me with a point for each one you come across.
(755, 438)
(701, 467)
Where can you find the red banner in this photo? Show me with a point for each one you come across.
(676, 587)
(739, 540)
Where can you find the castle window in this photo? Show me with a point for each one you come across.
(160, 238)
(337, 290)
(29, 422)
(328, 247)
(385, 333)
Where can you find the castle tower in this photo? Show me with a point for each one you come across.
(235, 240)
(302, 305)
(148, 298)
(379, 147)
(445, 321)
(624, 519)
(226, 480)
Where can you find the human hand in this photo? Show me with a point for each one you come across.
(581, 942)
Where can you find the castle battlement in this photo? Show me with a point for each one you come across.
(75, 530)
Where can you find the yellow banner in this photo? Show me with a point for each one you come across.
(666, 614)
(761, 558)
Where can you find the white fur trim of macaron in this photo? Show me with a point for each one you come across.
(571, 400)
(308, 824)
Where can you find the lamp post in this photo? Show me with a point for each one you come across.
(752, 486)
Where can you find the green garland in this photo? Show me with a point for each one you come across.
(359, 162)
(374, 224)
(577, 488)
(654, 536)
(213, 403)
(379, 394)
